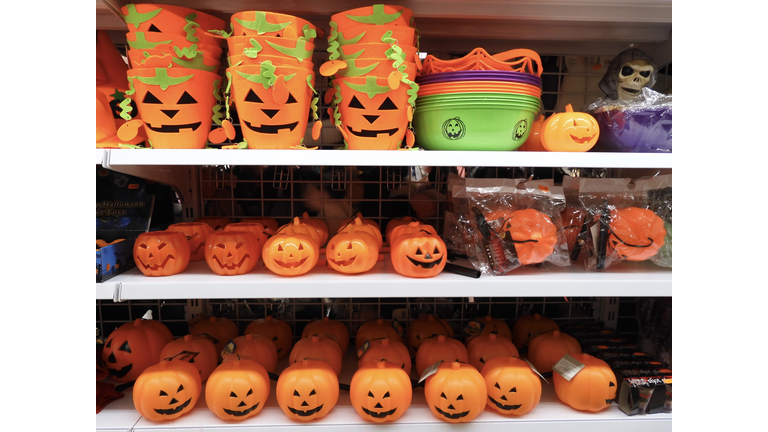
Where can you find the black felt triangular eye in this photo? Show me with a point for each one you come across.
(253, 97)
(388, 105)
(152, 28)
(291, 99)
(181, 387)
(355, 103)
(149, 98)
(186, 98)
(125, 347)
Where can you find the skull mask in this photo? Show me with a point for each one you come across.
(633, 76)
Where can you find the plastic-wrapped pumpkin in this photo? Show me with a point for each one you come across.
(380, 392)
(307, 390)
(161, 253)
(317, 347)
(376, 329)
(636, 234)
(425, 327)
(336, 330)
(167, 390)
(546, 349)
(237, 389)
(199, 351)
(219, 330)
(257, 348)
(352, 251)
(196, 233)
(289, 253)
(440, 348)
(456, 393)
(533, 233)
(529, 326)
(489, 346)
(133, 347)
(513, 388)
(276, 330)
(389, 350)
(592, 389)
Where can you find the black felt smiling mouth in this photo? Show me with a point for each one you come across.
(379, 415)
(452, 416)
(271, 129)
(426, 265)
(241, 413)
(176, 410)
(504, 407)
(365, 133)
(305, 413)
(119, 373)
(174, 128)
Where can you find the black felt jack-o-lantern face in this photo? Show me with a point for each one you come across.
(376, 117)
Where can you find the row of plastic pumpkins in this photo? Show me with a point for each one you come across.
(416, 250)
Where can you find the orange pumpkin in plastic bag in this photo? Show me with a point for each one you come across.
(167, 390)
(636, 234)
(196, 233)
(161, 253)
(307, 390)
(237, 389)
(534, 235)
(289, 253)
(380, 392)
(231, 253)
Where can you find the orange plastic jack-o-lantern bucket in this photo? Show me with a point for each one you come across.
(273, 103)
(176, 106)
(232, 252)
(161, 253)
(289, 253)
(196, 233)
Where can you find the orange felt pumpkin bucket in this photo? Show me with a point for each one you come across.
(336, 330)
(167, 390)
(168, 41)
(262, 23)
(133, 347)
(636, 234)
(276, 330)
(190, 23)
(362, 67)
(176, 105)
(366, 34)
(215, 222)
(237, 389)
(317, 347)
(491, 325)
(202, 59)
(570, 131)
(244, 60)
(375, 51)
(307, 390)
(290, 254)
(513, 387)
(439, 348)
(196, 234)
(218, 330)
(424, 328)
(546, 349)
(488, 346)
(298, 50)
(530, 326)
(418, 255)
(352, 251)
(190, 347)
(161, 253)
(375, 15)
(231, 253)
(592, 389)
(273, 103)
(371, 115)
(456, 393)
(380, 392)
(376, 329)
(533, 233)
(389, 350)
(258, 348)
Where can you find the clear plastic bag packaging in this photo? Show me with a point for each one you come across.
(518, 224)
(627, 219)
(575, 222)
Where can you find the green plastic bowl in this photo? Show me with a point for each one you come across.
(480, 97)
(474, 127)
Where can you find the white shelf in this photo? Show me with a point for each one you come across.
(385, 158)
(549, 415)
(199, 282)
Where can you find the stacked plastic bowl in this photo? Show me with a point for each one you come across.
(479, 102)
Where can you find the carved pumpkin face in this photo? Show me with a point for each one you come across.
(237, 389)
(424, 328)
(176, 105)
(167, 390)
(307, 390)
(592, 389)
(218, 330)
(570, 131)
(352, 251)
(636, 234)
(273, 103)
(373, 116)
(318, 347)
(199, 351)
(546, 349)
(440, 348)
(276, 330)
(196, 233)
(513, 388)
(454, 129)
(232, 252)
(418, 255)
(529, 326)
(161, 253)
(389, 350)
(133, 347)
(336, 330)
(456, 393)
(380, 392)
(290, 254)
(258, 348)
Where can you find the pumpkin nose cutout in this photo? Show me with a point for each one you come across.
(242, 404)
(173, 401)
(427, 256)
(229, 255)
(170, 113)
(503, 398)
(378, 405)
(270, 113)
(371, 118)
(304, 403)
(451, 406)
(112, 358)
(150, 255)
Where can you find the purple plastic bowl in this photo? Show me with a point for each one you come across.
(635, 131)
(480, 75)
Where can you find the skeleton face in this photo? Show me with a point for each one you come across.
(633, 76)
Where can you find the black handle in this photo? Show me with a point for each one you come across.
(461, 270)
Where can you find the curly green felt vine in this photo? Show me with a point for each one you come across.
(308, 33)
(337, 103)
(191, 27)
(333, 43)
(217, 115)
(315, 99)
(189, 52)
(226, 93)
(125, 104)
(254, 50)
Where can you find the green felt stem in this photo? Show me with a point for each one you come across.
(353, 71)
(371, 87)
(351, 56)
(221, 33)
(136, 19)
(191, 27)
(260, 24)
(299, 52)
(378, 17)
(308, 33)
(141, 42)
(196, 63)
(162, 79)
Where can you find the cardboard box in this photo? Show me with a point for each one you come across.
(113, 259)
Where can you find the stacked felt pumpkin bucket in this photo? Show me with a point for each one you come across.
(478, 102)
(173, 77)
(372, 63)
(271, 79)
